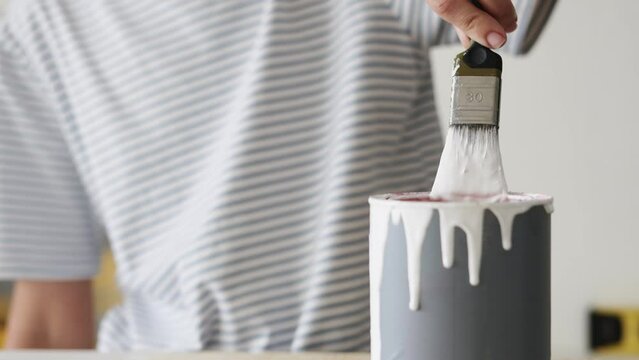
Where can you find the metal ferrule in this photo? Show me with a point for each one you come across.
(475, 100)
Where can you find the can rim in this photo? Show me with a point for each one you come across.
(516, 199)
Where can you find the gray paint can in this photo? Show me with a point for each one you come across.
(505, 317)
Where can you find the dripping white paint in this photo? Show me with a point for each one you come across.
(415, 211)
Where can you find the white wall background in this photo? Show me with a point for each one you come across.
(570, 128)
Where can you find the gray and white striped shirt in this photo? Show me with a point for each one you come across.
(227, 149)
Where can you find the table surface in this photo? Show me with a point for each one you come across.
(90, 355)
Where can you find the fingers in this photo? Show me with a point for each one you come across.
(503, 11)
(477, 24)
(465, 40)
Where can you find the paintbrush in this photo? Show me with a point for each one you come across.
(471, 166)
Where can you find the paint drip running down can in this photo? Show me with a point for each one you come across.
(466, 280)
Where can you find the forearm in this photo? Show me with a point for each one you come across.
(51, 314)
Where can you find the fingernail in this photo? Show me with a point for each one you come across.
(495, 40)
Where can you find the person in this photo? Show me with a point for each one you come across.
(226, 149)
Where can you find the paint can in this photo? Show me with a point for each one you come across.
(448, 284)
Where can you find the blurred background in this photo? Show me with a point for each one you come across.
(569, 128)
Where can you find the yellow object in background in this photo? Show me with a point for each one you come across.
(105, 289)
(4, 309)
(615, 331)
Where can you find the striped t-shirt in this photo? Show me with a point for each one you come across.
(226, 148)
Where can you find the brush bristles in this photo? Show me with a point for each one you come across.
(474, 126)
(470, 165)
(476, 139)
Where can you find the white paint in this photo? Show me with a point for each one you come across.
(415, 211)
(415, 224)
(471, 220)
(506, 216)
(470, 166)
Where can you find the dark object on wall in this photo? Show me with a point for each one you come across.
(614, 331)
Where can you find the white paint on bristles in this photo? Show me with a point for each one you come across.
(470, 166)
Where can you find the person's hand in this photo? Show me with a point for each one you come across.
(488, 26)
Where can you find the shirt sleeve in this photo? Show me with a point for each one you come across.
(47, 230)
(430, 30)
